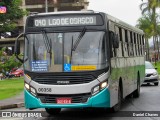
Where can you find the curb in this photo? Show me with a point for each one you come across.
(17, 105)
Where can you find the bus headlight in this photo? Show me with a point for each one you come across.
(98, 88)
(30, 89)
(103, 85)
(95, 90)
(33, 91)
(26, 86)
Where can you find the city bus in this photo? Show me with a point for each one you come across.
(82, 59)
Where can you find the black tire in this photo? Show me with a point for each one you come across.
(117, 107)
(136, 93)
(53, 111)
(156, 84)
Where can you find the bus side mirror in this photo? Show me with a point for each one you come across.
(115, 40)
(16, 47)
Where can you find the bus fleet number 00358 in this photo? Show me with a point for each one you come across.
(44, 90)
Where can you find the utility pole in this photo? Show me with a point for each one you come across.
(55, 8)
(46, 6)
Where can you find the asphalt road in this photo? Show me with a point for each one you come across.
(149, 100)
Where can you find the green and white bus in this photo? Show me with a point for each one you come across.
(80, 59)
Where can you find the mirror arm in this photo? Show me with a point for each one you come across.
(16, 46)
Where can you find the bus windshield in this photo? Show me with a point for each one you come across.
(52, 52)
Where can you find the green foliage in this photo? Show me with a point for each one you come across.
(8, 62)
(145, 23)
(157, 65)
(149, 6)
(150, 16)
(8, 21)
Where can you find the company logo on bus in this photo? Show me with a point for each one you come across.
(63, 82)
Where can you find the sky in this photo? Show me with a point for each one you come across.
(126, 10)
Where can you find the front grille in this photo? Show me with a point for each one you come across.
(76, 98)
(148, 75)
(151, 80)
(60, 80)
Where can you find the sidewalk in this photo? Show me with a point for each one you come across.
(14, 102)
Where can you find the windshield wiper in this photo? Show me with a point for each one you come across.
(48, 44)
(78, 39)
(71, 50)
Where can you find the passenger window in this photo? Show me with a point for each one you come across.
(132, 48)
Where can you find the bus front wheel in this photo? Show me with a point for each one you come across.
(53, 111)
(118, 105)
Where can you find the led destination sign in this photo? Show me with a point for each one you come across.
(64, 21)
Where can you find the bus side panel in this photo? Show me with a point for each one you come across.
(127, 70)
(114, 82)
(141, 68)
(119, 70)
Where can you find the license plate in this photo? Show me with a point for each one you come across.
(64, 100)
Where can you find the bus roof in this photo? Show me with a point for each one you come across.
(111, 18)
(65, 12)
(123, 24)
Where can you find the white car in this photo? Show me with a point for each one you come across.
(151, 74)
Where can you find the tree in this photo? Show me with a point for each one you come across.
(150, 7)
(8, 62)
(145, 23)
(8, 21)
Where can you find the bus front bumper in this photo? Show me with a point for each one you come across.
(102, 99)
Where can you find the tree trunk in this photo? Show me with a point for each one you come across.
(154, 44)
(147, 48)
(148, 58)
(158, 40)
(157, 43)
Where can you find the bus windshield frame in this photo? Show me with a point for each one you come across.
(64, 58)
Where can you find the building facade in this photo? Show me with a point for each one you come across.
(40, 6)
(54, 5)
